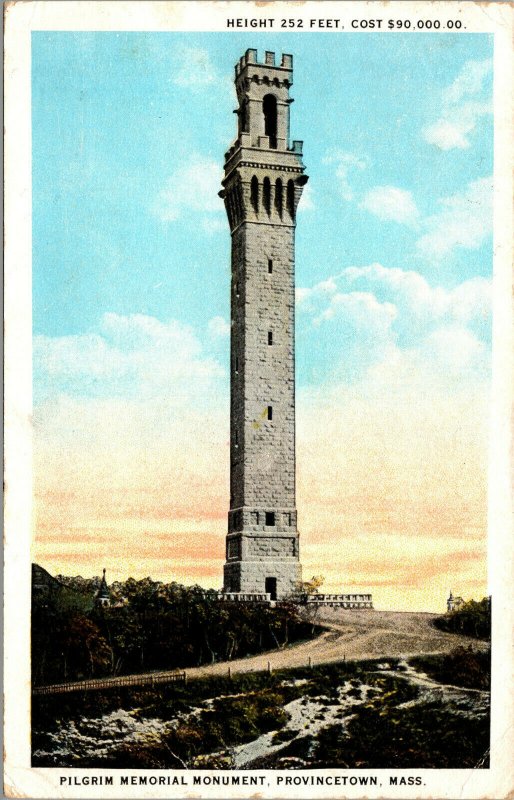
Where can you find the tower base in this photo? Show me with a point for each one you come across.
(279, 579)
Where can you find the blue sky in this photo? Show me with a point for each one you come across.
(131, 270)
(118, 115)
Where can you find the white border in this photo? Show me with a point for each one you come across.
(21, 19)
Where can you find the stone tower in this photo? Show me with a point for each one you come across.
(263, 182)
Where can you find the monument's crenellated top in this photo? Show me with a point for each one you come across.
(250, 58)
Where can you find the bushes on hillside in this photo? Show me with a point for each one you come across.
(162, 626)
(471, 619)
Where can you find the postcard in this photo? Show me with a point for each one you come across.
(258, 328)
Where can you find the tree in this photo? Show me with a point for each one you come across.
(312, 586)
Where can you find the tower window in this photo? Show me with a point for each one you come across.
(279, 197)
(269, 109)
(243, 117)
(290, 198)
(236, 438)
(270, 265)
(236, 365)
(266, 194)
(270, 337)
(270, 412)
(236, 289)
(254, 194)
(270, 518)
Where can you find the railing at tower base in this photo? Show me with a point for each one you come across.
(245, 597)
(330, 600)
(339, 600)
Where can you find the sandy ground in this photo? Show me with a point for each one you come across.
(355, 635)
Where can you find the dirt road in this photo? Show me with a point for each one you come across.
(355, 635)
(352, 634)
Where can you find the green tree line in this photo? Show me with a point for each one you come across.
(159, 627)
(471, 619)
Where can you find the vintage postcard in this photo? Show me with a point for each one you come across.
(258, 326)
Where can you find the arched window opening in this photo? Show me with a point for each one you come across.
(279, 197)
(254, 194)
(290, 198)
(266, 195)
(269, 109)
(243, 117)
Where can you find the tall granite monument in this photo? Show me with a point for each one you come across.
(262, 186)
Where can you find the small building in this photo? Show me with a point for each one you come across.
(103, 596)
(454, 603)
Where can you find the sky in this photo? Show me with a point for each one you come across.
(131, 272)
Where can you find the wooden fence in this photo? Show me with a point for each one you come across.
(112, 683)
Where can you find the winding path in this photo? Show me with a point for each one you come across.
(356, 635)
(353, 634)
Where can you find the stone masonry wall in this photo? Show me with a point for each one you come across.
(262, 186)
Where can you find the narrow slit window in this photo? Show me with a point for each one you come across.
(290, 199)
(270, 265)
(266, 195)
(279, 197)
(270, 337)
(269, 108)
(236, 289)
(270, 518)
(254, 194)
(236, 365)
(270, 412)
(236, 438)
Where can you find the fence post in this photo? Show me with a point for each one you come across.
(269, 667)
(310, 661)
(229, 673)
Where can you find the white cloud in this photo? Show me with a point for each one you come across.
(362, 309)
(467, 302)
(463, 105)
(447, 134)
(130, 356)
(218, 327)
(465, 220)
(372, 315)
(455, 348)
(469, 81)
(451, 131)
(196, 70)
(345, 164)
(194, 186)
(306, 297)
(391, 203)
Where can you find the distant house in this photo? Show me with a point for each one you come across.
(103, 596)
(454, 603)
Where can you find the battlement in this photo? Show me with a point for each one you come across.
(251, 58)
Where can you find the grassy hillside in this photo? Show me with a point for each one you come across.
(345, 715)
